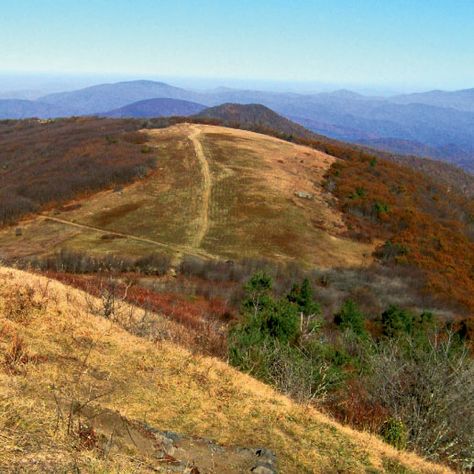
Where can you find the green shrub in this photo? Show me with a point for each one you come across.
(397, 321)
(303, 297)
(394, 432)
(350, 317)
(380, 208)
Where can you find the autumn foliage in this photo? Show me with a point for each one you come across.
(204, 319)
(421, 223)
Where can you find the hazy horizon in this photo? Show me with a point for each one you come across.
(367, 46)
(33, 85)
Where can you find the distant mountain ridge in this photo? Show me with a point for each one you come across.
(156, 108)
(21, 109)
(107, 97)
(437, 123)
(460, 100)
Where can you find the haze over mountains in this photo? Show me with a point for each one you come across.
(436, 124)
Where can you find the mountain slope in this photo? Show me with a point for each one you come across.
(156, 108)
(77, 392)
(260, 118)
(41, 163)
(246, 194)
(254, 116)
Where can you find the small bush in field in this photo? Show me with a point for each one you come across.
(350, 317)
(397, 321)
(19, 306)
(394, 432)
(16, 356)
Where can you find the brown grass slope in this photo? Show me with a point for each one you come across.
(217, 193)
(65, 371)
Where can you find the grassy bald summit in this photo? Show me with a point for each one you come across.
(260, 118)
(245, 194)
(255, 116)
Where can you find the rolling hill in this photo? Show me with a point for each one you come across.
(260, 118)
(246, 194)
(156, 108)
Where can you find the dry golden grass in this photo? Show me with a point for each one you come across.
(216, 192)
(55, 353)
(254, 208)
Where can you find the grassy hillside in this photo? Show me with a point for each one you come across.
(216, 192)
(76, 388)
(260, 119)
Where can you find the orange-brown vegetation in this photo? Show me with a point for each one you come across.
(422, 223)
(105, 373)
(204, 318)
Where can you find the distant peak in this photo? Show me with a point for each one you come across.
(345, 93)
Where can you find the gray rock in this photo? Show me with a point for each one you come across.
(263, 469)
(304, 195)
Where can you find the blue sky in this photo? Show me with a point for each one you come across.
(388, 43)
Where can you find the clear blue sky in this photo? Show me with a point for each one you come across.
(413, 43)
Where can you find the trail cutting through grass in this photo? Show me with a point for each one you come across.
(203, 219)
(193, 248)
(177, 248)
